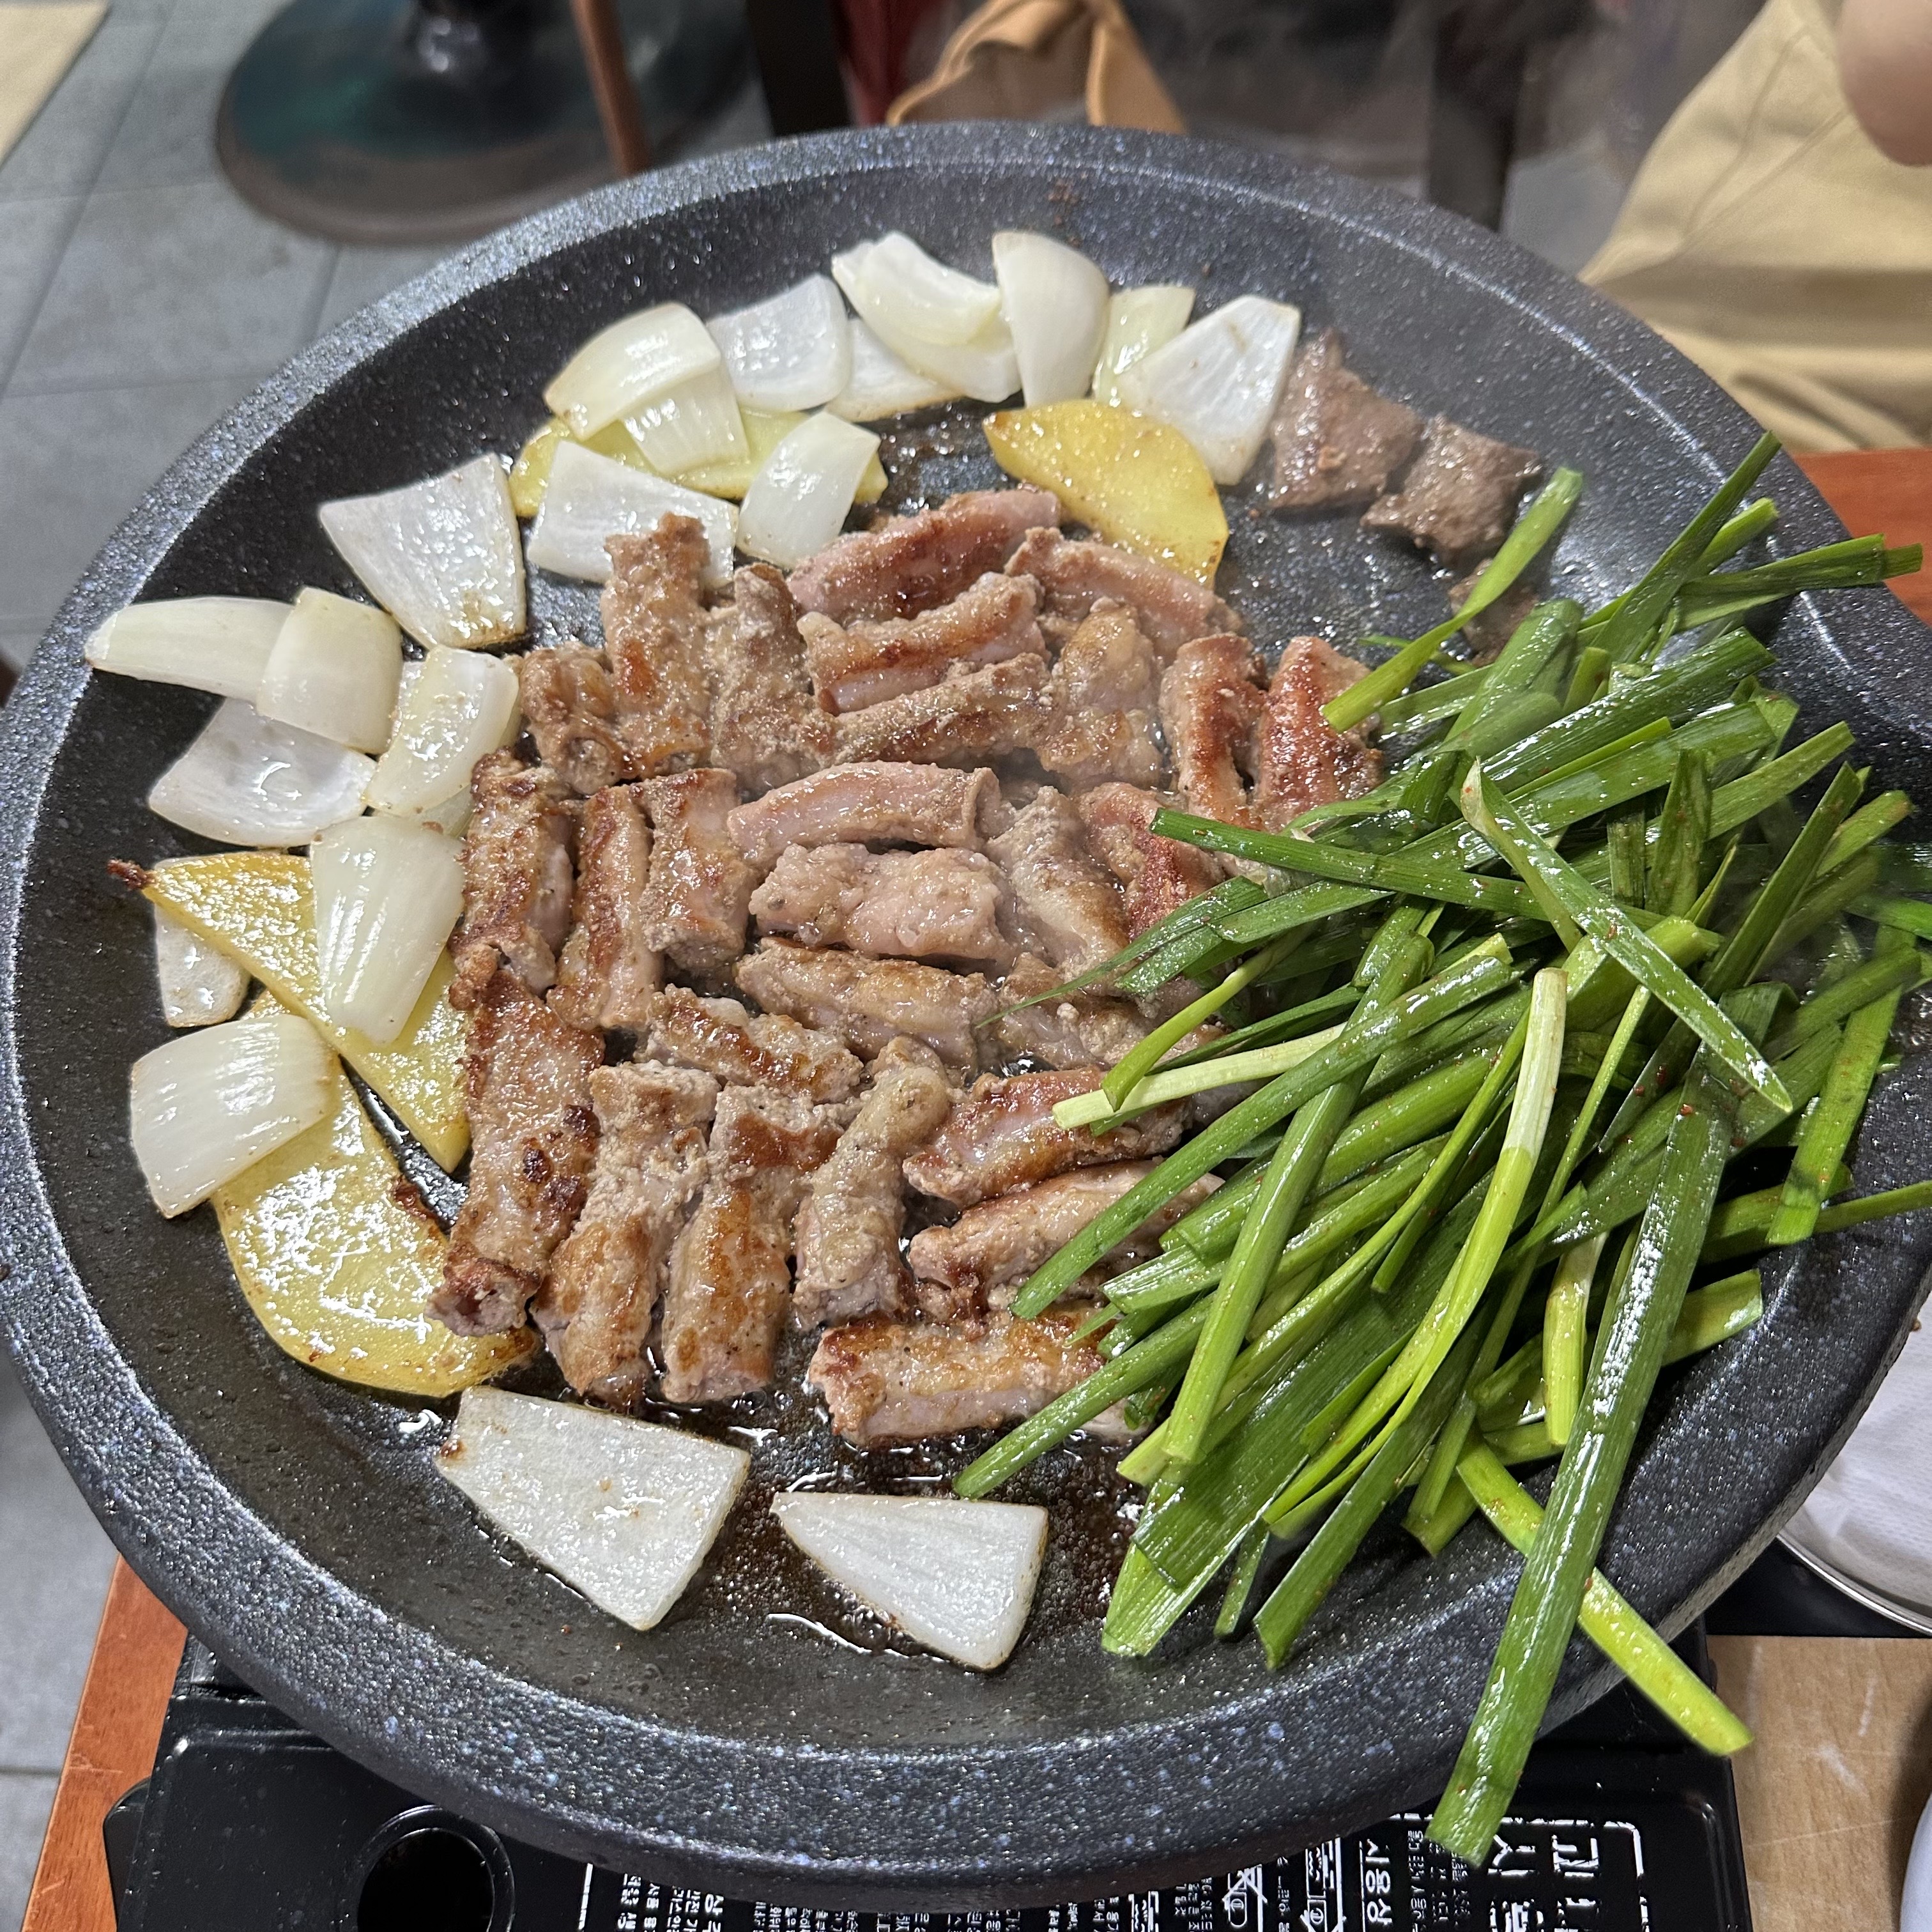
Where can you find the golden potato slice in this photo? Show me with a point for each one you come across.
(1137, 482)
(764, 430)
(257, 908)
(338, 1256)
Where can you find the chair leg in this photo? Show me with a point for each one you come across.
(602, 39)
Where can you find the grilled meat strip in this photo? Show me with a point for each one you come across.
(1485, 635)
(1301, 760)
(517, 876)
(533, 1138)
(848, 1227)
(655, 633)
(1074, 575)
(893, 1381)
(596, 1307)
(699, 895)
(570, 708)
(870, 804)
(767, 1050)
(1336, 441)
(1210, 707)
(907, 565)
(1104, 693)
(1068, 906)
(1002, 1135)
(608, 971)
(730, 1275)
(1082, 1030)
(868, 1002)
(1158, 875)
(972, 714)
(766, 725)
(912, 905)
(1459, 496)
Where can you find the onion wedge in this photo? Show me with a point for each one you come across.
(764, 433)
(793, 352)
(247, 781)
(207, 1105)
(799, 501)
(1054, 301)
(591, 499)
(881, 385)
(1139, 321)
(984, 366)
(441, 557)
(696, 422)
(529, 475)
(387, 896)
(457, 707)
(198, 985)
(924, 298)
(957, 1576)
(220, 644)
(621, 1509)
(628, 363)
(1218, 381)
(334, 671)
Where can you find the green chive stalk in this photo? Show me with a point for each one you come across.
(1565, 1333)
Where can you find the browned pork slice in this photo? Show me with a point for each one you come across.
(1210, 707)
(1158, 875)
(596, 1307)
(609, 971)
(1074, 575)
(1459, 496)
(654, 636)
(570, 708)
(1002, 1135)
(848, 1227)
(517, 876)
(870, 804)
(1301, 760)
(993, 618)
(1104, 695)
(895, 1382)
(766, 725)
(906, 565)
(972, 714)
(942, 904)
(533, 1139)
(868, 1002)
(699, 896)
(984, 1255)
(731, 1270)
(765, 1050)
(1336, 441)
(1068, 906)
(1083, 1030)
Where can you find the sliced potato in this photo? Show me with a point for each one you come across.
(764, 430)
(1138, 482)
(339, 1270)
(258, 907)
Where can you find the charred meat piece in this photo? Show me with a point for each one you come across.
(907, 565)
(848, 1229)
(1336, 441)
(766, 725)
(1076, 574)
(699, 896)
(1105, 695)
(609, 971)
(596, 1308)
(868, 1002)
(1068, 906)
(1002, 1134)
(1485, 635)
(992, 619)
(517, 876)
(1301, 760)
(972, 715)
(533, 1138)
(1158, 875)
(870, 804)
(765, 1050)
(895, 1382)
(730, 1272)
(1459, 496)
(1083, 1030)
(1210, 707)
(655, 636)
(570, 708)
(907, 905)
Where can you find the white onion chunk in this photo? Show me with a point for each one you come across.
(1054, 301)
(198, 985)
(628, 363)
(220, 644)
(792, 352)
(457, 706)
(334, 671)
(592, 498)
(800, 499)
(246, 781)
